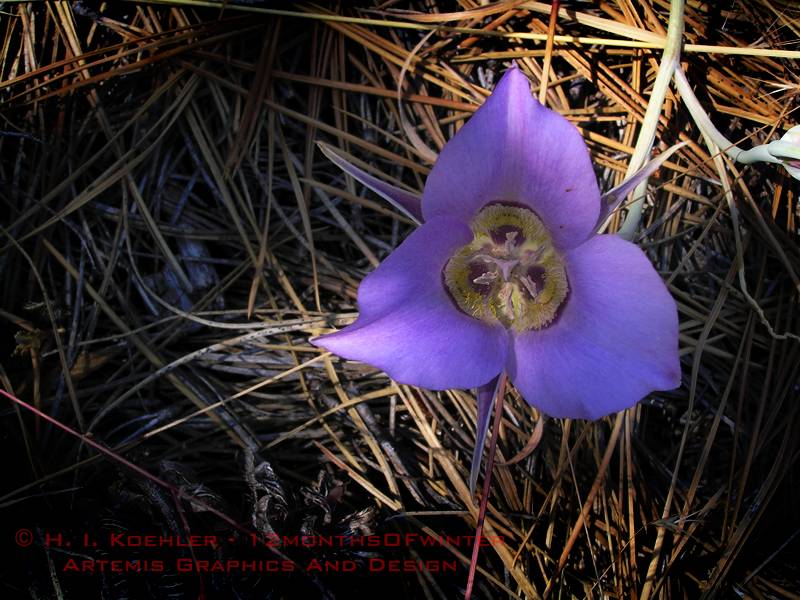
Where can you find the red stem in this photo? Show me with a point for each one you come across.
(139, 470)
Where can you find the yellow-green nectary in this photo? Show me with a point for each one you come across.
(510, 273)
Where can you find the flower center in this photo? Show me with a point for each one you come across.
(510, 273)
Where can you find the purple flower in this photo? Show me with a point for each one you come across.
(787, 151)
(506, 273)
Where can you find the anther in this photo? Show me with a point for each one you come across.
(511, 237)
(486, 279)
(529, 285)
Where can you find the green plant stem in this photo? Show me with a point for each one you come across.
(647, 134)
(701, 118)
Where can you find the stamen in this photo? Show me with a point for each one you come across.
(529, 285)
(486, 279)
(504, 295)
(533, 256)
(511, 236)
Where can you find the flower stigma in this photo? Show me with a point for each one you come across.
(510, 273)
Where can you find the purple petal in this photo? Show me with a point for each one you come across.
(410, 328)
(406, 202)
(615, 341)
(516, 150)
(486, 397)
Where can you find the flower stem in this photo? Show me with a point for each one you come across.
(498, 413)
(701, 118)
(644, 143)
